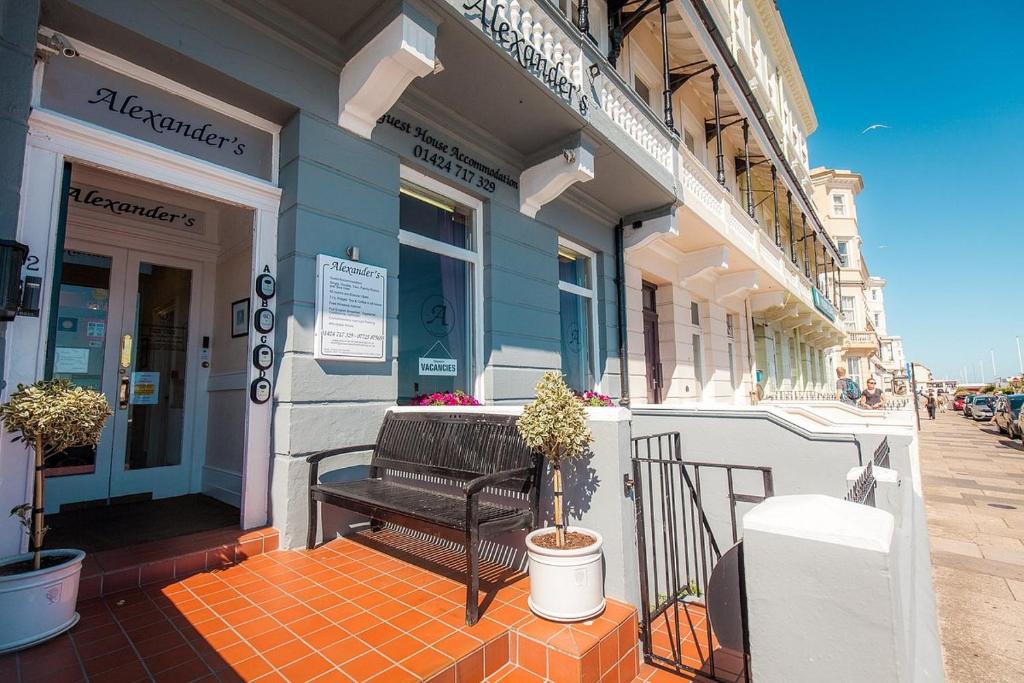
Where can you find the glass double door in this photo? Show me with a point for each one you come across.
(125, 324)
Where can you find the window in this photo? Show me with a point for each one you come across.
(689, 141)
(698, 346)
(577, 298)
(838, 205)
(439, 301)
(844, 252)
(853, 368)
(846, 304)
(730, 325)
(698, 362)
(732, 365)
(642, 89)
(874, 294)
(877, 318)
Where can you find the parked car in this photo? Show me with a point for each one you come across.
(1007, 414)
(982, 407)
(968, 404)
(958, 403)
(1020, 424)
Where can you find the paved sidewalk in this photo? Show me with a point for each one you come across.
(974, 495)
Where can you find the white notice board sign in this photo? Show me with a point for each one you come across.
(350, 310)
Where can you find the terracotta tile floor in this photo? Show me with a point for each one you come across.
(381, 607)
(683, 635)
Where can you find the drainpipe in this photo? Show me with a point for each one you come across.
(620, 293)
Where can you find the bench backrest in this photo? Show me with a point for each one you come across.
(457, 445)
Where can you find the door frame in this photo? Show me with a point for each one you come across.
(54, 138)
(125, 253)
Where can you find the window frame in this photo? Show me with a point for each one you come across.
(474, 257)
(839, 207)
(588, 293)
(843, 249)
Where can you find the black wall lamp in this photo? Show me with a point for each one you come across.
(12, 299)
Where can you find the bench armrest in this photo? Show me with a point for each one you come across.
(474, 486)
(321, 455)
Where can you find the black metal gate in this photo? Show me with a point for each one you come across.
(682, 509)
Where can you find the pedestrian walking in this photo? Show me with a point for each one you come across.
(847, 390)
(929, 404)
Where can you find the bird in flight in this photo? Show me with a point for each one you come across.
(873, 126)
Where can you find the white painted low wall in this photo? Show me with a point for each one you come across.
(840, 591)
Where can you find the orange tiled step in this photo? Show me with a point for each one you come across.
(112, 571)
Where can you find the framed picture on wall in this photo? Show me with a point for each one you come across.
(240, 318)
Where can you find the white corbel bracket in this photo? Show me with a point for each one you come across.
(374, 79)
(643, 230)
(695, 264)
(763, 301)
(737, 284)
(543, 182)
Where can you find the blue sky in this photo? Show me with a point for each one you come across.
(943, 200)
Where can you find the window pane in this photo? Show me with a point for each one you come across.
(698, 361)
(642, 90)
(577, 349)
(695, 313)
(425, 214)
(434, 321)
(573, 268)
(80, 340)
(157, 418)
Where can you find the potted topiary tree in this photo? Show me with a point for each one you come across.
(39, 589)
(566, 572)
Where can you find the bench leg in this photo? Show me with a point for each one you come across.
(311, 527)
(376, 525)
(472, 575)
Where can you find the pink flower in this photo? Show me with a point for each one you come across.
(446, 398)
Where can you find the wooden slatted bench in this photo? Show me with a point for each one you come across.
(475, 451)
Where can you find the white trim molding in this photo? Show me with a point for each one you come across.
(373, 80)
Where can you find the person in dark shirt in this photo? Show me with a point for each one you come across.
(871, 397)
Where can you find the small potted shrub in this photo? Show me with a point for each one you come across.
(39, 589)
(566, 572)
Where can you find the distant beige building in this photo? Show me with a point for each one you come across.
(867, 350)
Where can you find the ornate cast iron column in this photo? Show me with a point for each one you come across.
(775, 203)
(807, 261)
(746, 169)
(584, 24)
(719, 156)
(666, 76)
(792, 235)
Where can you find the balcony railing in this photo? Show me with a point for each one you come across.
(862, 339)
(543, 26)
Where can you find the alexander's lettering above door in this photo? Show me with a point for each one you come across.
(85, 90)
(111, 203)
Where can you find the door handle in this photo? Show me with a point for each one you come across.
(123, 392)
(126, 352)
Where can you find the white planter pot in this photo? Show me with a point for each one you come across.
(566, 585)
(38, 605)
